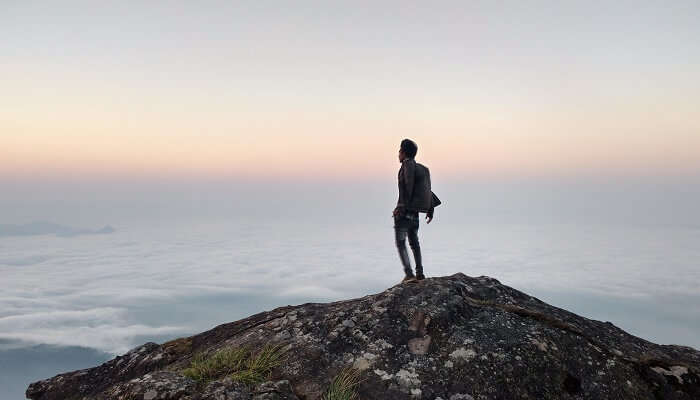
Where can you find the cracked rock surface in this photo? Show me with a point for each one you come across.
(447, 338)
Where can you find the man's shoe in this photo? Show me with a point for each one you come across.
(420, 277)
(409, 279)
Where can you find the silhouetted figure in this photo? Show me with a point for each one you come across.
(415, 196)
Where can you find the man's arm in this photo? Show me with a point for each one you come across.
(409, 177)
(399, 204)
(406, 179)
(434, 201)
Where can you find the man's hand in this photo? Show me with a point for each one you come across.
(396, 212)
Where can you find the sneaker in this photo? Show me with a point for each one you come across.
(420, 277)
(409, 279)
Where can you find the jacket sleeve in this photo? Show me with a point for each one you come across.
(434, 202)
(409, 177)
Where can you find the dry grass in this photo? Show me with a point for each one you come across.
(343, 386)
(241, 364)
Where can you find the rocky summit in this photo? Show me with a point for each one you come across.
(447, 338)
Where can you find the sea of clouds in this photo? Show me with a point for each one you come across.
(169, 274)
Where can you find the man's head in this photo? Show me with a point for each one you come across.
(408, 149)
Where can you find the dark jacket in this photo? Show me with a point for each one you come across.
(414, 188)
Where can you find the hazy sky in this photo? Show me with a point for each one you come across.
(140, 114)
(328, 88)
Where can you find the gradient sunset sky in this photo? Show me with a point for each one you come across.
(328, 89)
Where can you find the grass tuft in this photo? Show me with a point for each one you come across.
(259, 365)
(343, 386)
(241, 364)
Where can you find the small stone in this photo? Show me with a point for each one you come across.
(407, 379)
(462, 353)
(540, 345)
(283, 335)
(383, 374)
(419, 345)
(364, 362)
(361, 364)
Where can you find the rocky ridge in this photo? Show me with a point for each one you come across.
(447, 338)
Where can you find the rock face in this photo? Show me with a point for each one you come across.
(448, 338)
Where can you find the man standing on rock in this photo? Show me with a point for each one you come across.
(414, 196)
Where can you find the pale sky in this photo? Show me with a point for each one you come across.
(329, 88)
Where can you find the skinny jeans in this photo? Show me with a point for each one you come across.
(406, 226)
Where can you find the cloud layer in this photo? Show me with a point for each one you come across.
(165, 277)
(106, 329)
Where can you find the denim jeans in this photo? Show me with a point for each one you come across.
(407, 226)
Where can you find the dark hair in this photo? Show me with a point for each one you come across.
(409, 147)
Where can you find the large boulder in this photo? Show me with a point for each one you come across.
(448, 338)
